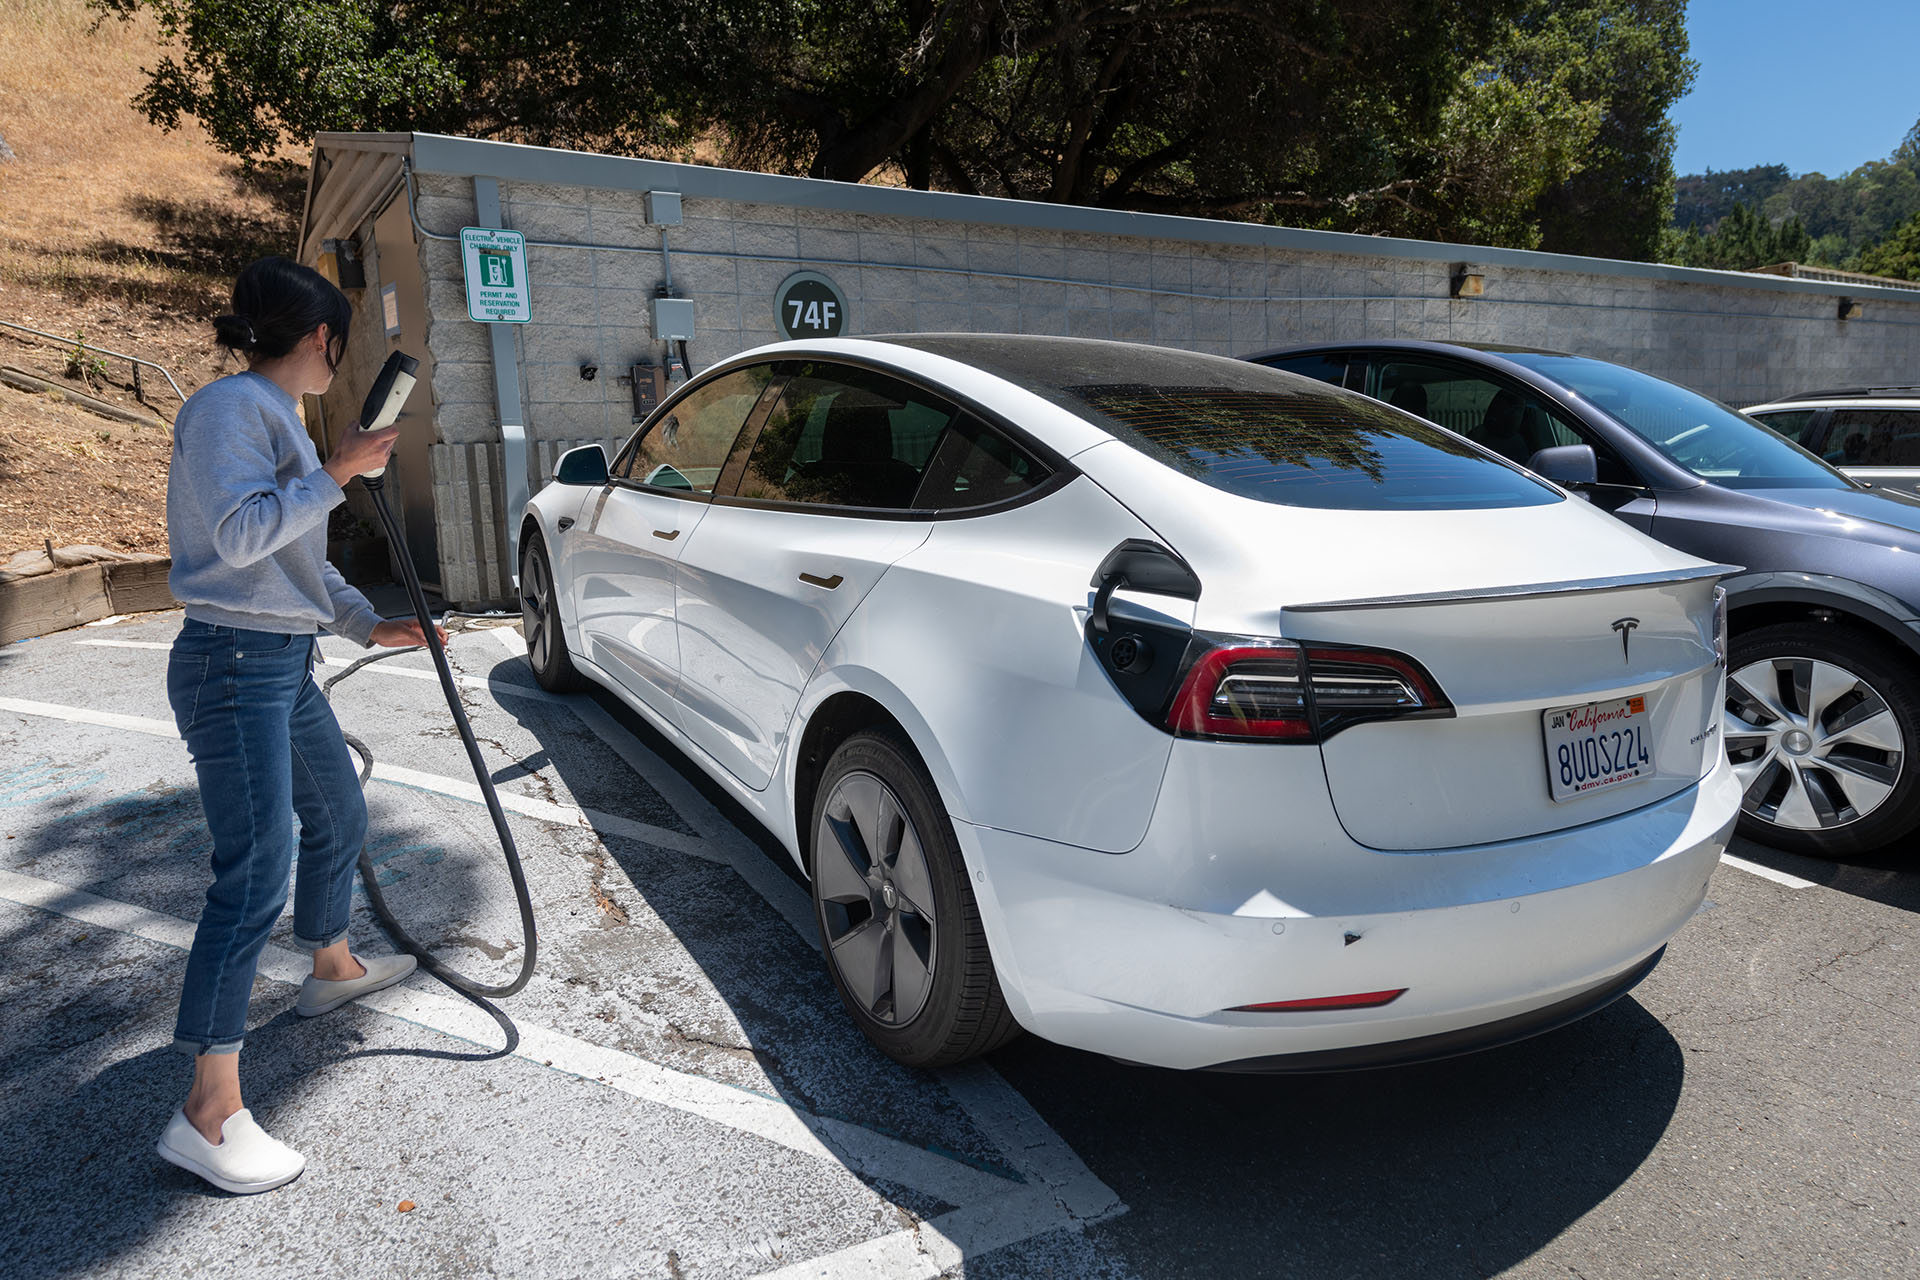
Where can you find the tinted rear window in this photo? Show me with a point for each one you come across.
(1250, 430)
(1306, 450)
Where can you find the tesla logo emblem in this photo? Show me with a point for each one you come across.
(1625, 627)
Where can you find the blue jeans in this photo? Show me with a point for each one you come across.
(265, 746)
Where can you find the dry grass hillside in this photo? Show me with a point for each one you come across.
(111, 232)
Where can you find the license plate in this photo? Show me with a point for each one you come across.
(1599, 745)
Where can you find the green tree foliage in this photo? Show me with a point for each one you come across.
(1898, 255)
(1629, 58)
(259, 74)
(1312, 113)
(1843, 216)
(1700, 200)
(1454, 119)
(1740, 241)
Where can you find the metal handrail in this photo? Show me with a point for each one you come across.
(84, 345)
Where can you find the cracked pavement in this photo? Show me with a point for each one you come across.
(688, 1100)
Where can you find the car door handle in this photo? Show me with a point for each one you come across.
(664, 534)
(828, 583)
(566, 523)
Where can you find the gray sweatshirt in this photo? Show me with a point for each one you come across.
(247, 509)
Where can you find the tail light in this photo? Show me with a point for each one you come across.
(1244, 691)
(1242, 688)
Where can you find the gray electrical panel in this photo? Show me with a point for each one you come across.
(673, 319)
(663, 208)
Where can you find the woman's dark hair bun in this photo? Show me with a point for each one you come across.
(276, 303)
(234, 332)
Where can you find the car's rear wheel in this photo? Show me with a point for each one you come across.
(898, 921)
(1821, 723)
(540, 620)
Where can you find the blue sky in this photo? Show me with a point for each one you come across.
(1813, 86)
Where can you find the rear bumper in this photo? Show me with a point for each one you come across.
(1451, 1044)
(1144, 955)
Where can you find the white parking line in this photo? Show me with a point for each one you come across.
(1767, 873)
(1064, 1191)
(491, 685)
(936, 1246)
(869, 1154)
(399, 775)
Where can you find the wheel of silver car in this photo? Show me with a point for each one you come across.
(540, 620)
(1819, 728)
(898, 921)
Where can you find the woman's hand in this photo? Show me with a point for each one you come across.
(399, 633)
(359, 451)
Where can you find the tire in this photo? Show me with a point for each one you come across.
(898, 922)
(1822, 723)
(540, 619)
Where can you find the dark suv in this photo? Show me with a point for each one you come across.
(1823, 689)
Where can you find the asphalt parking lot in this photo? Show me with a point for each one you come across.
(685, 1097)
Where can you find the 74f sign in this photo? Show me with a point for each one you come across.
(809, 305)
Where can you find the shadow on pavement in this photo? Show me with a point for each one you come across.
(78, 1121)
(768, 975)
(1890, 877)
(1463, 1167)
(1460, 1167)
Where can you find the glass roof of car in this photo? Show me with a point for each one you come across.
(1248, 429)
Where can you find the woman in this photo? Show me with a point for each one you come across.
(247, 504)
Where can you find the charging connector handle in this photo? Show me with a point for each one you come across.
(388, 396)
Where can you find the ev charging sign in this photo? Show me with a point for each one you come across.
(808, 305)
(496, 270)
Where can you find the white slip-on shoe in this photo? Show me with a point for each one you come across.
(318, 996)
(247, 1159)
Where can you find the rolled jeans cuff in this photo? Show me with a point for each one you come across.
(194, 1048)
(308, 944)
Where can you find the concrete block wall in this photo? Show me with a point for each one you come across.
(1715, 332)
(592, 307)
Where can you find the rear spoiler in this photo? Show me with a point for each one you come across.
(1526, 591)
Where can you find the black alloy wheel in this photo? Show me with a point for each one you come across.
(898, 921)
(540, 620)
(1821, 723)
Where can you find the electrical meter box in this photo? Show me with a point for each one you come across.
(663, 208)
(673, 319)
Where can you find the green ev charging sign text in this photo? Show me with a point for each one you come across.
(496, 268)
(808, 305)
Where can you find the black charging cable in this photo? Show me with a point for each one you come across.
(410, 576)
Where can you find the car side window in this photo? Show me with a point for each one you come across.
(1791, 423)
(1509, 420)
(1872, 438)
(686, 448)
(845, 437)
(976, 466)
(1329, 367)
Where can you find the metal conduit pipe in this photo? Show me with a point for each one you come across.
(135, 361)
(1093, 284)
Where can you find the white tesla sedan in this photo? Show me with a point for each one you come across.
(1164, 705)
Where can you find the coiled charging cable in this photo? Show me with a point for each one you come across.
(375, 897)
